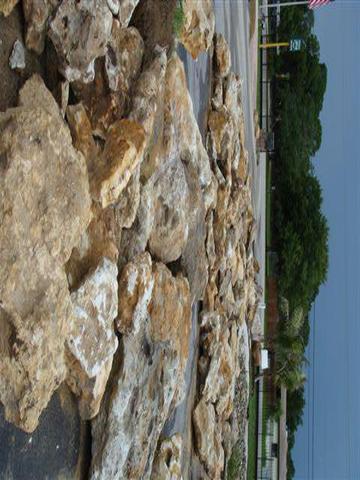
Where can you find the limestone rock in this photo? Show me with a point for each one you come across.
(170, 228)
(92, 341)
(134, 240)
(208, 439)
(128, 202)
(148, 92)
(167, 463)
(89, 391)
(98, 241)
(81, 132)
(123, 58)
(198, 30)
(222, 55)
(7, 6)
(102, 106)
(155, 319)
(37, 14)
(123, 152)
(80, 31)
(126, 10)
(182, 132)
(222, 349)
(42, 216)
(34, 94)
(17, 57)
(193, 258)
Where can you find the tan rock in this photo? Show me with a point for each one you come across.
(198, 29)
(36, 307)
(222, 55)
(89, 391)
(7, 6)
(135, 239)
(148, 93)
(167, 463)
(79, 32)
(37, 14)
(170, 228)
(123, 152)
(155, 319)
(128, 202)
(126, 9)
(81, 133)
(123, 57)
(100, 239)
(208, 439)
(103, 107)
(181, 131)
(92, 341)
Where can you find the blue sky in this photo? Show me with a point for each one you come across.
(328, 444)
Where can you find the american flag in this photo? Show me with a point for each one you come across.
(318, 3)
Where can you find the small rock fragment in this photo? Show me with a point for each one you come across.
(17, 57)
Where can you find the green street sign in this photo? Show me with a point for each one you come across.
(295, 44)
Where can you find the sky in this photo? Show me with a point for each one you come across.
(328, 444)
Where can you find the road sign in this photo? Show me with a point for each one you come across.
(295, 44)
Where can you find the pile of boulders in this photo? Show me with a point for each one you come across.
(231, 294)
(114, 220)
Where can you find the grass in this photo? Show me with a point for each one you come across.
(179, 19)
(252, 437)
(234, 463)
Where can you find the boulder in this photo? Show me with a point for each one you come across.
(208, 439)
(37, 14)
(123, 152)
(123, 58)
(7, 6)
(167, 462)
(79, 32)
(128, 202)
(170, 229)
(92, 341)
(103, 106)
(222, 55)
(155, 321)
(126, 9)
(199, 25)
(148, 93)
(42, 217)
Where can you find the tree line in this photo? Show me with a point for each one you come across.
(300, 228)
